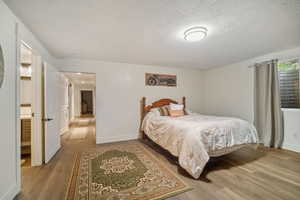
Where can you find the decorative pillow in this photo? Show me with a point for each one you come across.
(164, 111)
(176, 113)
(176, 110)
(173, 106)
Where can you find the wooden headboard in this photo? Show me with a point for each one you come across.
(162, 102)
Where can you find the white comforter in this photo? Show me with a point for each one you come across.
(194, 137)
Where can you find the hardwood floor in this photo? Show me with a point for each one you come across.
(245, 174)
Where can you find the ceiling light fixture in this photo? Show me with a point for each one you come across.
(195, 33)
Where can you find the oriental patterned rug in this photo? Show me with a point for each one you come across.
(122, 171)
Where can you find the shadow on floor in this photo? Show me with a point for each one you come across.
(235, 159)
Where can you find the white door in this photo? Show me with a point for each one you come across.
(51, 111)
(36, 109)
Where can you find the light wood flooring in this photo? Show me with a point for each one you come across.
(245, 174)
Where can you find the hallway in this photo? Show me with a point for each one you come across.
(51, 181)
(81, 128)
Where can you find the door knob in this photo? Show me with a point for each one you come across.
(47, 119)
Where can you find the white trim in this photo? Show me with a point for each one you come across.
(12, 193)
(292, 147)
(17, 188)
(290, 109)
(64, 130)
(115, 138)
(288, 59)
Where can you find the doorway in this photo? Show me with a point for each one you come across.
(38, 98)
(26, 104)
(87, 102)
(30, 105)
(81, 103)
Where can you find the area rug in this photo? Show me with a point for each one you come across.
(122, 171)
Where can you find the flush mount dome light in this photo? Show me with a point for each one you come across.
(195, 33)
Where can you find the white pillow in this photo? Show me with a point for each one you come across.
(173, 106)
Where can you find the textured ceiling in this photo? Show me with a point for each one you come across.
(150, 31)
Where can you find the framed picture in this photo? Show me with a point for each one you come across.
(1, 67)
(160, 80)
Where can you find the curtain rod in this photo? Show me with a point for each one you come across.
(270, 60)
(265, 61)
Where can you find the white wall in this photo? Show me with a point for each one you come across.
(64, 104)
(291, 138)
(120, 87)
(9, 154)
(229, 90)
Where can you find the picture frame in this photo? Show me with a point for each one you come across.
(160, 80)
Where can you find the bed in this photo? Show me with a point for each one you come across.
(194, 138)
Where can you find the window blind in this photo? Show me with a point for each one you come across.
(289, 88)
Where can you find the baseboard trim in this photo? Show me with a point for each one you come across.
(117, 138)
(14, 191)
(52, 154)
(64, 130)
(295, 148)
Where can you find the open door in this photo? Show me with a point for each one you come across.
(36, 109)
(51, 112)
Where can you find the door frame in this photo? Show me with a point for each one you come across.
(76, 98)
(18, 108)
(18, 43)
(36, 140)
(70, 101)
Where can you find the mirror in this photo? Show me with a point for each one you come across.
(1, 67)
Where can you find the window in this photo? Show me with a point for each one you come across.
(289, 81)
